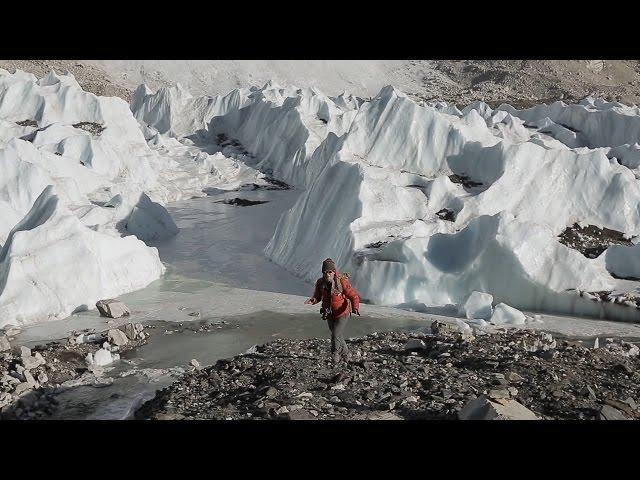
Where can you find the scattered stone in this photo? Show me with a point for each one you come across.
(112, 308)
(32, 362)
(438, 327)
(587, 391)
(607, 412)
(433, 381)
(23, 351)
(131, 331)
(195, 364)
(483, 408)
(414, 344)
(4, 343)
(117, 337)
(271, 392)
(514, 377)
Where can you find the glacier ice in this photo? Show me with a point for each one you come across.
(504, 314)
(52, 264)
(477, 306)
(427, 203)
(421, 203)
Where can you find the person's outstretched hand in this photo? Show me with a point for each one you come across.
(310, 301)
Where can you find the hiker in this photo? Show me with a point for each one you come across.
(339, 300)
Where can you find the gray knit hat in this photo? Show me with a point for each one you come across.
(328, 265)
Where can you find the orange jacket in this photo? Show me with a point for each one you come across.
(338, 305)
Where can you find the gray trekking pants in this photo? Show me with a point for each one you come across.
(337, 326)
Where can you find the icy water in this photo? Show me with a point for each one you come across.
(216, 272)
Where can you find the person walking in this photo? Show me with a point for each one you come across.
(339, 299)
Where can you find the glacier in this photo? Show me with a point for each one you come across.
(423, 203)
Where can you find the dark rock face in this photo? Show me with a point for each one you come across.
(93, 128)
(591, 241)
(28, 123)
(242, 202)
(464, 181)
(294, 379)
(446, 214)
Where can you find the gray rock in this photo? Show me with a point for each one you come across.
(29, 379)
(117, 337)
(514, 377)
(9, 380)
(588, 392)
(377, 415)
(4, 343)
(195, 363)
(414, 344)
(130, 331)
(607, 412)
(271, 392)
(499, 393)
(11, 331)
(112, 308)
(282, 410)
(22, 351)
(484, 408)
(21, 388)
(438, 328)
(631, 402)
(5, 399)
(30, 363)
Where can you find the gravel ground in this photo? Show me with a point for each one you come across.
(398, 375)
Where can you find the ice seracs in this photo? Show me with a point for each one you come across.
(51, 264)
(429, 203)
(423, 204)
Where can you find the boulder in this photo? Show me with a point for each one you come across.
(112, 308)
(376, 415)
(414, 344)
(484, 408)
(438, 328)
(34, 361)
(133, 331)
(117, 337)
(477, 305)
(23, 351)
(607, 412)
(4, 343)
